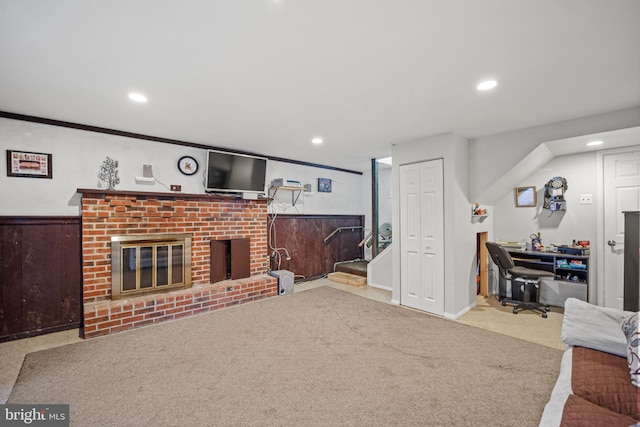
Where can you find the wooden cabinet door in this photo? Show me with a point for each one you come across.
(218, 262)
(230, 259)
(240, 259)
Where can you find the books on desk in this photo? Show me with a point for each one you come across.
(513, 246)
(573, 264)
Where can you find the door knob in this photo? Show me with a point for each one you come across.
(612, 243)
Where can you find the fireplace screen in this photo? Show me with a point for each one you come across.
(143, 264)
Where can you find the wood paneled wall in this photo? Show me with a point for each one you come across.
(40, 275)
(303, 237)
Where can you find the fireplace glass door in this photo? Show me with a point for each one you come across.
(152, 266)
(147, 266)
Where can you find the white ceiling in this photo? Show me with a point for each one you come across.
(265, 76)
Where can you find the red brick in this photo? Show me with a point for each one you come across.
(174, 310)
(121, 315)
(109, 324)
(95, 320)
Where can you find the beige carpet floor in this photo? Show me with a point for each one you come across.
(528, 325)
(322, 357)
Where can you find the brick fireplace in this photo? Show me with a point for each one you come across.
(107, 214)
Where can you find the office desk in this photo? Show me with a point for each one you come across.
(571, 276)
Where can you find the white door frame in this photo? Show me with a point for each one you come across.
(596, 290)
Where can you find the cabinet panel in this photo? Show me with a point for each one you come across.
(11, 279)
(40, 288)
(41, 283)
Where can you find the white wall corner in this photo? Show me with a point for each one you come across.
(461, 312)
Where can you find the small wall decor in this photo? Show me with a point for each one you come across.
(108, 174)
(324, 185)
(554, 194)
(526, 197)
(188, 165)
(29, 165)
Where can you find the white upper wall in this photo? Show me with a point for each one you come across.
(494, 157)
(345, 197)
(578, 222)
(78, 154)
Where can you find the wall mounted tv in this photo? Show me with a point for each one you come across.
(235, 173)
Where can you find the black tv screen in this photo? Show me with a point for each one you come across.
(235, 173)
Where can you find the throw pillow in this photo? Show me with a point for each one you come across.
(592, 326)
(630, 329)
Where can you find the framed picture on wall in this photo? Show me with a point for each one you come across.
(526, 197)
(28, 165)
(324, 185)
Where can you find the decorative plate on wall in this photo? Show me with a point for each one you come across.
(188, 165)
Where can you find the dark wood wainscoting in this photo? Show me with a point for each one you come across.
(40, 275)
(303, 237)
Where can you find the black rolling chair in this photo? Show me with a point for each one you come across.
(509, 271)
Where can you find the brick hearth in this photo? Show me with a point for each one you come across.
(112, 213)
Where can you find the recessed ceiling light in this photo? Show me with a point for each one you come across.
(138, 97)
(592, 143)
(317, 140)
(487, 84)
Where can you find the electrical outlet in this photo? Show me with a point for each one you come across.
(586, 199)
(175, 187)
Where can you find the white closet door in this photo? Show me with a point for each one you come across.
(422, 236)
(621, 193)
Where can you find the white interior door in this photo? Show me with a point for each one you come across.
(422, 236)
(621, 178)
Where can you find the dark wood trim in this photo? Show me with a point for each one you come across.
(374, 208)
(39, 220)
(42, 331)
(317, 216)
(96, 192)
(98, 129)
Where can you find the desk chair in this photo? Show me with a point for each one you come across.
(509, 271)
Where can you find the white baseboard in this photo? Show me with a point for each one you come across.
(461, 312)
(377, 286)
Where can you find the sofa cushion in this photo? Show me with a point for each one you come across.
(603, 379)
(579, 412)
(592, 326)
(630, 329)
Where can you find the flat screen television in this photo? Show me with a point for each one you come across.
(235, 173)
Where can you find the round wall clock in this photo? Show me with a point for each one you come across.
(188, 165)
